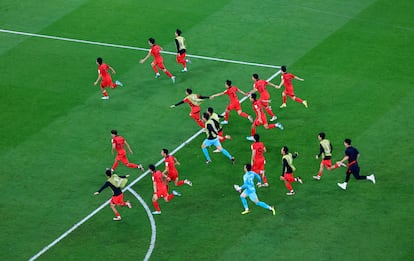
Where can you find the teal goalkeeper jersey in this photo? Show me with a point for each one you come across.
(248, 179)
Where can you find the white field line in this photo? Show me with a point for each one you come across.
(134, 48)
(152, 221)
(45, 249)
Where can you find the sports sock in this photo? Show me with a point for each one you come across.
(180, 183)
(168, 73)
(244, 115)
(156, 205)
(132, 165)
(263, 205)
(205, 151)
(244, 202)
(170, 196)
(298, 100)
(284, 99)
(115, 165)
(269, 111)
(154, 67)
(271, 126)
(226, 153)
(226, 116)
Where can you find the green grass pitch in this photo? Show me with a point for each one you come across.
(356, 58)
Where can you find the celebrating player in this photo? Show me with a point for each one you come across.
(250, 191)
(325, 150)
(352, 155)
(216, 119)
(160, 189)
(234, 102)
(258, 160)
(287, 170)
(103, 73)
(170, 169)
(260, 117)
(194, 101)
(212, 139)
(181, 50)
(118, 143)
(158, 60)
(287, 82)
(260, 86)
(114, 182)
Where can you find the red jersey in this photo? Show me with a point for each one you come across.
(232, 93)
(287, 81)
(260, 86)
(103, 71)
(259, 149)
(258, 109)
(119, 142)
(156, 52)
(193, 105)
(158, 179)
(170, 163)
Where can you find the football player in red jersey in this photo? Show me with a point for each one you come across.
(258, 160)
(171, 171)
(158, 61)
(287, 82)
(260, 86)
(103, 73)
(118, 143)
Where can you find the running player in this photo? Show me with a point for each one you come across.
(118, 144)
(260, 86)
(181, 50)
(258, 159)
(216, 119)
(194, 101)
(287, 82)
(352, 155)
(158, 60)
(287, 170)
(114, 182)
(234, 102)
(103, 73)
(170, 169)
(325, 150)
(250, 191)
(160, 189)
(260, 117)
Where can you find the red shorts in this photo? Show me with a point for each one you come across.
(118, 200)
(258, 165)
(122, 158)
(265, 103)
(173, 174)
(289, 92)
(257, 123)
(107, 82)
(327, 163)
(234, 106)
(161, 192)
(288, 177)
(159, 64)
(181, 57)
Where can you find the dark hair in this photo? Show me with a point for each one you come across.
(165, 151)
(256, 76)
(206, 115)
(178, 31)
(283, 68)
(228, 83)
(151, 40)
(347, 141)
(189, 91)
(253, 95)
(151, 167)
(322, 135)
(210, 109)
(115, 132)
(248, 166)
(99, 60)
(285, 149)
(256, 137)
(108, 172)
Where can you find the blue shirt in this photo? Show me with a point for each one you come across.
(248, 179)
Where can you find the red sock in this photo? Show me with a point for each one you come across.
(269, 110)
(113, 86)
(200, 123)
(156, 205)
(154, 67)
(320, 173)
(264, 179)
(284, 99)
(289, 186)
(170, 196)
(298, 100)
(117, 214)
(271, 126)
(244, 115)
(253, 131)
(168, 73)
(115, 165)
(104, 93)
(226, 116)
(132, 165)
(180, 183)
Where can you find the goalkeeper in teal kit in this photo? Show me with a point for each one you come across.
(250, 191)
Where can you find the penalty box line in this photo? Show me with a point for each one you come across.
(135, 48)
(152, 244)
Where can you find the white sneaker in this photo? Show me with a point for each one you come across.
(250, 138)
(372, 178)
(128, 204)
(117, 218)
(273, 118)
(291, 193)
(216, 151)
(224, 122)
(279, 125)
(298, 179)
(105, 98)
(188, 61)
(184, 70)
(156, 212)
(250, 118)
(176, 193)
(173, 79)
(119, 83)
(189, 183)
(157, 75)
(342, 185)
(316, 177)
(283, 105)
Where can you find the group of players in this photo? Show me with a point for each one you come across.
(211, 123)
